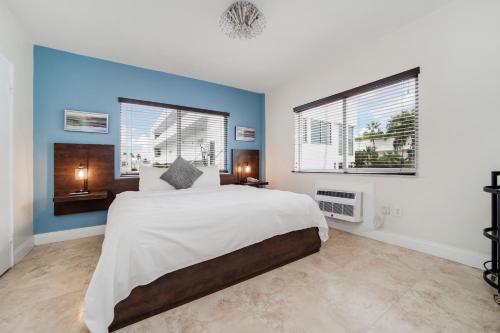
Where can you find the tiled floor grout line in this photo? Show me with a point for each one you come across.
(392, 305)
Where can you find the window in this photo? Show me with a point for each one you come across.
(305, 130)
(341, 138)
(376, 126)
(326, 133)
(350, 140)
(321, 132)
(155, 134)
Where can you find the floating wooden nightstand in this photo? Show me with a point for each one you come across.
(71, 204)
(99, 195)
(255, 184)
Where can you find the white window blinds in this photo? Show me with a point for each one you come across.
(155, 134)
(369, 129)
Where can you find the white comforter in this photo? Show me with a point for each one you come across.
(150, 234)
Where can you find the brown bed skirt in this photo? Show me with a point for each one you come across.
(190, 283)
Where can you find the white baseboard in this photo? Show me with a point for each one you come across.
(22, 250)
(466, 257)
(59, 236)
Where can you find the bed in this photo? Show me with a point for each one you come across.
(164, 248)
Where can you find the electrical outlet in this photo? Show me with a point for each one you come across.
(386, 210)
(397, 211)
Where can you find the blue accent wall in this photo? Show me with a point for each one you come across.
(64, 80)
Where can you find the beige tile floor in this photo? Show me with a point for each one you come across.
(353, 285)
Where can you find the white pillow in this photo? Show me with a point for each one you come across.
(149, 179)
(209, 178)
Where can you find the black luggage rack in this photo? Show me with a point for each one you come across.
(490, 273)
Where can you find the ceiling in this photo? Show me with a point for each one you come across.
(183, 36)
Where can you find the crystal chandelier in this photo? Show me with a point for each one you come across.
(242, 20)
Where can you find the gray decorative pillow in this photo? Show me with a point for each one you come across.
(181, 174)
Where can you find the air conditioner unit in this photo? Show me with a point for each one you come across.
(340, 204)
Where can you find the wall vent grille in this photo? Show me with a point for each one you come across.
(336, 194)
(343, 205)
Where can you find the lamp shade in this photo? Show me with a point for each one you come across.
(247, 168)
(81, 173)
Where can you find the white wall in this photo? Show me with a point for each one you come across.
(458, 50)
(17, 48)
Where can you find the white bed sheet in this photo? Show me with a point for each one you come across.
(149, 234)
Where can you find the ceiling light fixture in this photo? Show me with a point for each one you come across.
(242, 20)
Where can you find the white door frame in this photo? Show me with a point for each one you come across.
(10, 162)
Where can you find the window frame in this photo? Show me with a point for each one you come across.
(226, 115)
(343, 96)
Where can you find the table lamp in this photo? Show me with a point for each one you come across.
(246, 170)
(81, 173)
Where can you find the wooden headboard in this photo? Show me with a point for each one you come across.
(100, 161)
(101, 166)
(242, 157)
(132, 183)
(101, 170)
